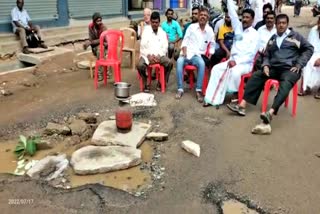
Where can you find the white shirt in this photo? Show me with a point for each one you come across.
(196, 41)
(152, 43)
(264, 36)
(20, 16)
(314, 39)
(245, 44)
(279, 39)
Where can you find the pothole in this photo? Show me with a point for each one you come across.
(229, 203)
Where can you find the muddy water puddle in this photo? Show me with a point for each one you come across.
(128, 180)
(236, 207)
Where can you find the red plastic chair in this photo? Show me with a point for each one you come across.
(244, 78)
(275, 83)
(160, 76)
(112, 37)
(190, 69)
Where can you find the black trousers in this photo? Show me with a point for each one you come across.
(255, 85)
(164, 61)
(297, 7)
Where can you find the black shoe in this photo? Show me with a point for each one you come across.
(146, 89)
(237, 109)
(266, 117)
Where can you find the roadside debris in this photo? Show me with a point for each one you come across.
(191, 147)
(49, 167)
(262, 129)
(142, 99)
(157, 136)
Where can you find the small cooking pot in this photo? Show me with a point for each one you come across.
(122, 89)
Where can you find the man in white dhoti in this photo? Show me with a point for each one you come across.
(311, 73)
(226, 76)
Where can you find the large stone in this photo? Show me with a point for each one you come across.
(54, 128)
(37, 59)
(262, 129)
(157, 136)
(85, 64)
(49, 167)
(78, 127)
(40, 50)
(191, 147)
(107, 135)
(101, 159)
(87, 117)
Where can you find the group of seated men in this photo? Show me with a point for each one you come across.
(281, 51)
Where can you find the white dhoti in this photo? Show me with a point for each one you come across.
(311, 74)
(223, 80)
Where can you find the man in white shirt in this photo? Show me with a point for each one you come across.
(286, 54)
(153, 50)
(23, 27)
(266, 31)
(311, 73)
(194, 46)
(226, 76)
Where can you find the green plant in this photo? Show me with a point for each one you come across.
(26, 146)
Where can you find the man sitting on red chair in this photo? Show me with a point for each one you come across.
(194, 46)
(286, 53)
(153, 50)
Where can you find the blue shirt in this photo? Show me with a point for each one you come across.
(172, 30)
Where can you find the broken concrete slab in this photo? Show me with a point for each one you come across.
(262, 129)
(37, 59)
(86, 64)
(157, 136)
(142, 99)
(100, 159)
(49, 167)
(107, 134)
(191, 147)
(40, 50)
(87, 117)
(235, 207)
(55, 128)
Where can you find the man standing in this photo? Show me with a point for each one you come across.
(173, 30)
(23, 27)
(311, 73)
(153, 49)
(194, 19)
(96, 27)
(146, 21)
(266, 9)
(226, 76)
(297, 7)
(225, 40)
(267, 31)
(194, 45)
(286, 54)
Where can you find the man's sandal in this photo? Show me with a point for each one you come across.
(199, 97)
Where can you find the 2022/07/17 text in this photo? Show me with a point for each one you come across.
(17, 201)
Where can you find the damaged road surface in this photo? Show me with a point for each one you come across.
(274, 173)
